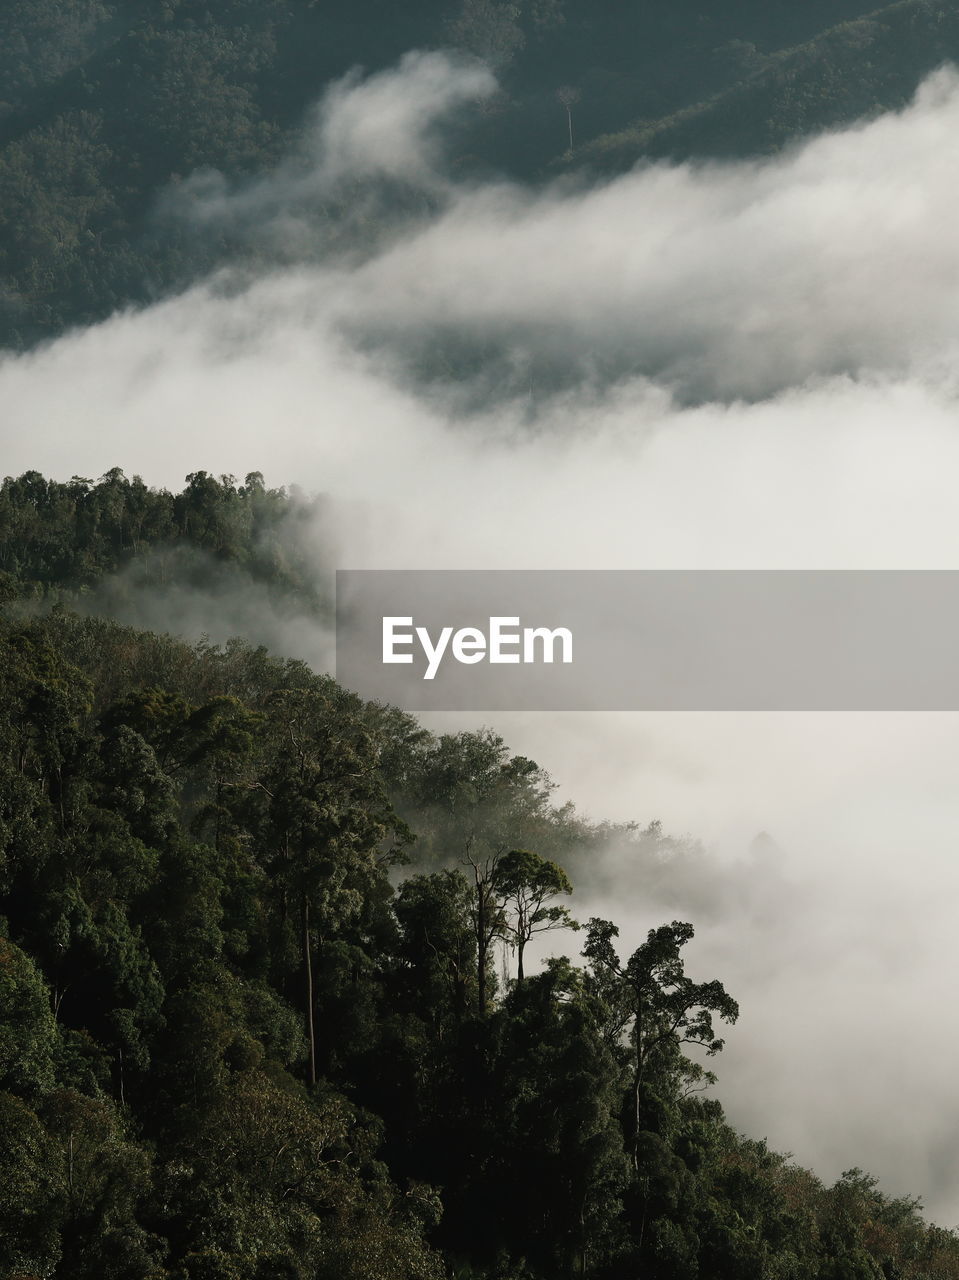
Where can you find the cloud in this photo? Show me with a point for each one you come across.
(386, 124)
(367, 147)
(721, 281)
(745, 365)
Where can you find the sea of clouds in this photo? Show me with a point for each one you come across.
(736, 365)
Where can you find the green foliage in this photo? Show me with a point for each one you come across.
(29, 1202)
(487, 29)
(268, 1174)
(849, 71)
(527, 883)
(28, 1033)
(234, 1042)
(108, 105)
(437, 946)
(106, 545)
(102, 1177)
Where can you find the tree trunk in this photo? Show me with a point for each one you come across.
(308, 971)
(637, 1096)
(638, 1080)
(481, 947)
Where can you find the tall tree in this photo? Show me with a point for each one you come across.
(526, 884)
(658, 1006)
(328, 829)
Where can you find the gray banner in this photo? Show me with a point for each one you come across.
(666, 640)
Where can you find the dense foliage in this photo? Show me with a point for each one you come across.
(218, 558)
(243, 1036)
(254, 1018)
(60, 541)
(105, 105)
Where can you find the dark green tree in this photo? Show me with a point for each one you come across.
(658, 1007)
(328, 833)
(527, 885)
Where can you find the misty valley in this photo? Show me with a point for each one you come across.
(264, 1003)
(297, 985)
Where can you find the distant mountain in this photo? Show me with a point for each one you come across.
(106, 104)
(852, 71)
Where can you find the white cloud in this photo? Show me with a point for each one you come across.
(745, 365)
(368, 141)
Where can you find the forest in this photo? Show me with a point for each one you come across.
(253, 1017)
(293, 987)
(107, 106)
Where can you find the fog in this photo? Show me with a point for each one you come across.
(748, 365)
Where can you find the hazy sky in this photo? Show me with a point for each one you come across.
(719, 366)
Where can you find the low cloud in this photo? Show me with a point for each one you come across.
(371, 151)
(698, 366)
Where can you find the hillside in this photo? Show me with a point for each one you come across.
(107, 106)
(853, 71)
(234, 1045)
(294, 986)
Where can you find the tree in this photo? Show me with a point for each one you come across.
(103, 1176)
(568, 96)
(270, 1174)
(511, 893)
(30, 1204)
(328, 831)
(559, 1168)
(28, 1031)
(488, 920)
(437, 945)
(658, 1006)
(657, 1010)
(475, 802)
(525, 883)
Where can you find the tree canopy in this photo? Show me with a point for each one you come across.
(251, 1023)
(108, 106)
